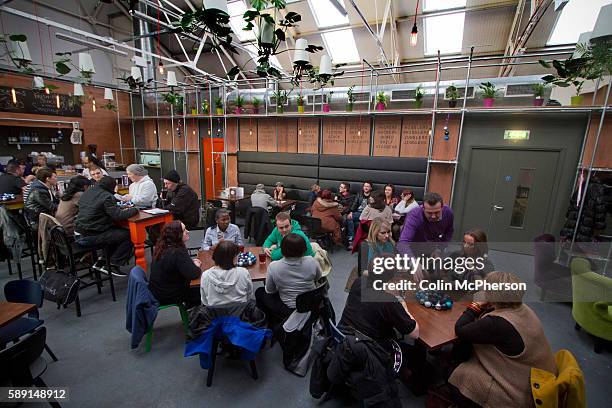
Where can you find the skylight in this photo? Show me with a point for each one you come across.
(443, 4)
(326, 14)
(575, 18)
(236, 10)
(341, 46)
(273, 59)
(444, 33)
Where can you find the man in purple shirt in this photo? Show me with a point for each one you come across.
(427, 228)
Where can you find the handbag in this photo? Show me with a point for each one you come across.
(60, 287)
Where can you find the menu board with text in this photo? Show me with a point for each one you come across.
(415, 136)
(334, 135)
(308, 135)
(358, 136)
(266, 135)
(387, 132)
(248, 135)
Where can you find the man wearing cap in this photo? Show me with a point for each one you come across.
(259, 198)
(180, 200)
(142, 191)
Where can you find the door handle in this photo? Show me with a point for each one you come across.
(498, 208)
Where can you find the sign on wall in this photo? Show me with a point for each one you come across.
(308, 135)
(37, 102)
(358, 136)
(266, 135)
(415, 136)
(334, 135)
(387, 133)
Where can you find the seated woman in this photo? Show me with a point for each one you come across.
(377, 208)
(406, 204)
(474, 247)
(172, 270)
(69, 203)
(379, 239)
(326, 209)
(225, 283)
(507, 339)
(390, 198)
(279, 192)
(287, 278)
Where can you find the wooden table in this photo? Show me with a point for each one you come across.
(258, 271)
(436, 327)
(231, 204)
(137, 226)
(286, 203)
(16, 204)
(123, 190)
(10, 311)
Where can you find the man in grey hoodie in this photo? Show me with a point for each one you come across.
(259, 198)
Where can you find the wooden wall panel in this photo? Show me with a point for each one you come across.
(387, 131)
(150, 134)
(358, 136)
(266, 135)
(231, 135)
(248, 135)
(286, 130)
(308, 135)
(441, 179)
(165, 134)
(334, 135)
(603, 157)
(193, 172)
(232, 170)
(415, 136)
(446, 149)
(192, 135)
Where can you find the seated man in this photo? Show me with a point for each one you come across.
(41, 198)
(181, 200)
(428, 228)
(284, 226)
(11, 181)
(259, 198)
(223, 231)
(98, 212)
(142, 191)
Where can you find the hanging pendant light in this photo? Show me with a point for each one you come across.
(171, 79)
(135, 73)
(414, 34)
(161, 68)
(86, 63)
(301, 56)
(38, 82)
(325, 67)
(78, 90)
(19, 50)
(220, 5)
(108, 94)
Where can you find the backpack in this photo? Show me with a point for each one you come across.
(60, 287)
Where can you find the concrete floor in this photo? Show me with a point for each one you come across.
(98, 366)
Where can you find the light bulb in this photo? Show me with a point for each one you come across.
(57, 101)
(161, 68)
(14, 95)
(414, 35)
(300, 132)
(47, 91)
(250, 132)
(193, 131)
(154, 131)
(208, 132)
(166, 132)
(94, 105)
(359, 133)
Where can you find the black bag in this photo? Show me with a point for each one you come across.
(60, 287)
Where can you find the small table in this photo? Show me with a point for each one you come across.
(286, 204)
(231, 204)
(11, 311)
(258, 271)
(137, 225)
(436, 327)
(15, 204)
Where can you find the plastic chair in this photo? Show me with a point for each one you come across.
(184, 318)
(23, 291)
(23, 362)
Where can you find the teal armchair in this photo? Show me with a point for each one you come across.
(592, 302)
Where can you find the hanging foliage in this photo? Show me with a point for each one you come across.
(212, 21)
(19, 41)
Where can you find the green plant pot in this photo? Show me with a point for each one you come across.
(349, 107)
(418, 103)
(300, 109)
(576, 100)
(219, 111)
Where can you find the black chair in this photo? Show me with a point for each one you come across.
(257, 225)
(362, 257)
(66, 253)
(22, 364)
(315, 301)
(22, 222)
(23, 291)
(312, 228)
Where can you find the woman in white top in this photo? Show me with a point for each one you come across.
(225, 283)
(142, 191)
(407, 203)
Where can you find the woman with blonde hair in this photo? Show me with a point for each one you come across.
(507, 339)
(379, 238)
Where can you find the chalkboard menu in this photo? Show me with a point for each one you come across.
(37, 102)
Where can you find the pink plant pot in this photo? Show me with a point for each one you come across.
(488, 102)
(238, 111)
(326, 107)
(255, 111)
(538, 102)
(380, 106)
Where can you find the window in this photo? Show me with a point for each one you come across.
(326, 14)
(236, 10)
(443, 4)
(575, 19)
(341, 46)
(521, 197)
(444, 33)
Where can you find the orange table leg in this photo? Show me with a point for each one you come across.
(138, 235)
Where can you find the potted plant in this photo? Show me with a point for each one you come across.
(489, 92)
(350, 99)
(219, 105)
(418, 97)
(300, 103)
(256, 102)
(194, 110)
(327, 100)
(175, 100)
(239, 104)
(452, 95)
(538, 93)
(381, 101)
(205, 107)
(281, 99)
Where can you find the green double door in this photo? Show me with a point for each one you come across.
(509, 195)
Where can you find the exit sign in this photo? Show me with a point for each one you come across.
(516, 134)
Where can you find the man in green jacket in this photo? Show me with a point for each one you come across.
(284, 226)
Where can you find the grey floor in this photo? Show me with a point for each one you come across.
(98, 366)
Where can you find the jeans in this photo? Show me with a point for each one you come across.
(115, 240)
(275, 309)
(355, 223)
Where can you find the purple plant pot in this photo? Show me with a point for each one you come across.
(488, 102)
(380, 106)
(238, 111)
(255, 111)
(538, 102)
(326, 107)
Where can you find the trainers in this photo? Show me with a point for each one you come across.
(116, 271)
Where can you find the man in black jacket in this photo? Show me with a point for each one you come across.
(181, 200)
(98, 212)
(11, 181)
(41, 198)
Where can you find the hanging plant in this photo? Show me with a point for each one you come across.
(110, 106)
(320, 80)
(63, 67)
(213, 22)
(18, 56)
(134, 84)
(74, 100)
